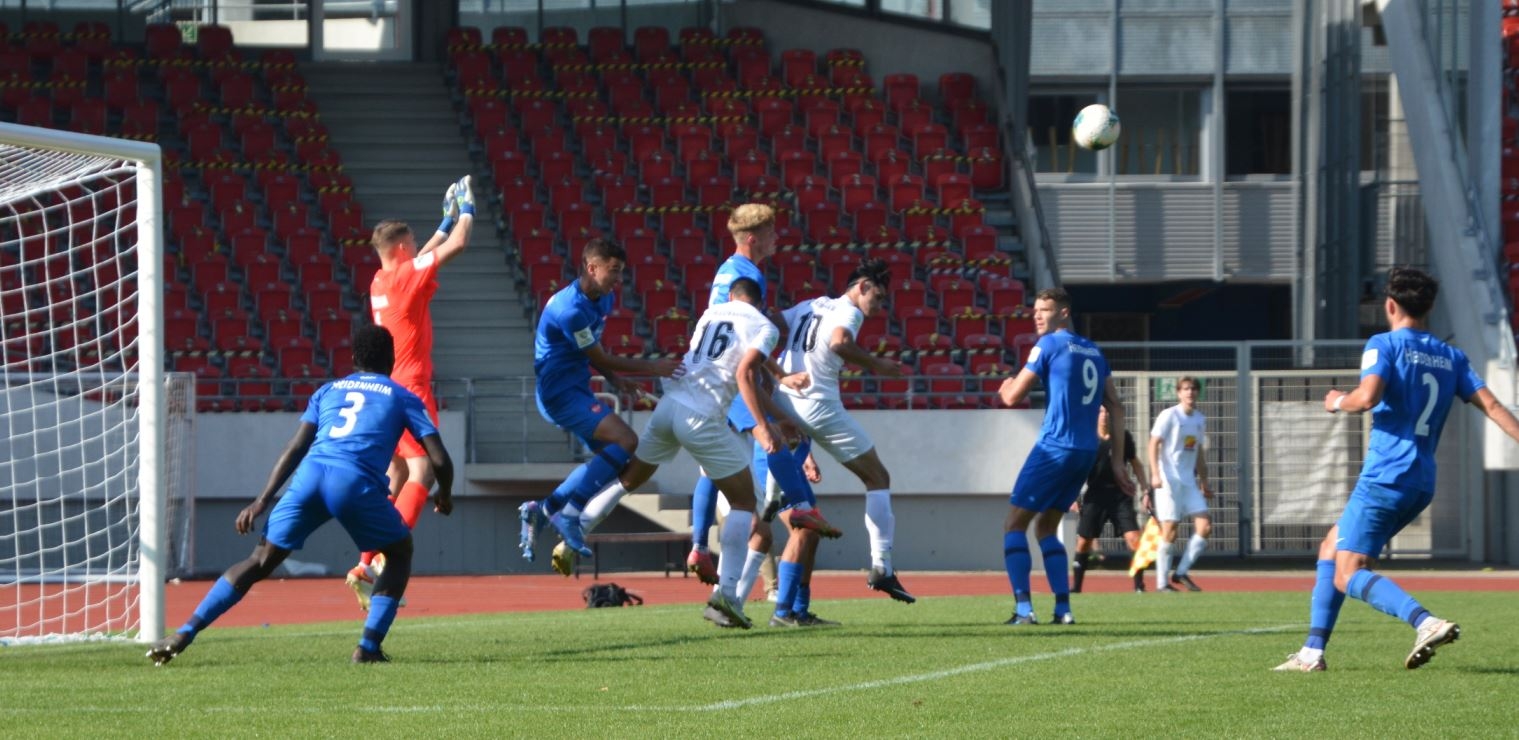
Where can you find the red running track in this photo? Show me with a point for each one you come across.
(307, 600)
(327, 599)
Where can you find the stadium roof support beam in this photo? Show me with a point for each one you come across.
(1463, 244)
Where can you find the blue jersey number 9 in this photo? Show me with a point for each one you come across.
(1089, 378)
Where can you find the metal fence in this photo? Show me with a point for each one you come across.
(1280, 467)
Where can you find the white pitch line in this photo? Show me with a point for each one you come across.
(962, 670)
(726, 705)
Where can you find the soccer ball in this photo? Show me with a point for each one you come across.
(1095, 128)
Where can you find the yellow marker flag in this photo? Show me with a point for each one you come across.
(1149, 542)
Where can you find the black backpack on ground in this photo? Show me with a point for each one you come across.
(609, 594)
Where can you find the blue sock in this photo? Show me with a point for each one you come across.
(803, 600)
(788, 581)
(218, 600)
(588, 479)
(1324, 607)
(382, 611)
(788, 473)
(703, 510)
(1386, 597)
(1019, 563)
(1056, 564)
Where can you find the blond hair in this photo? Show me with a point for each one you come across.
(750, 217)
(389, 233)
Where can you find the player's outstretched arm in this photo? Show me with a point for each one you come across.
(450, 217)
(1365, 396)
(843, 345)
(294, 452)
(458, 238)
(443, 471)
(1116, 420)
(1497, 412)
(664, 367)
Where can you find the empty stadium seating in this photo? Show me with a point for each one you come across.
(656, 156)
(252, 239)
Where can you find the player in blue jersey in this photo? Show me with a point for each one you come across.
(753, 228)
(339, 454)
(1076, 383)
(1409, 381)
(566, 346)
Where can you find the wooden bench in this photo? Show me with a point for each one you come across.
(673, 559)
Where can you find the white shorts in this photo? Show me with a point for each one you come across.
(1177, 502)
(717, 448)
(829, 426)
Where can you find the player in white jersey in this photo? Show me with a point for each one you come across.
(729, 347)
(822, 339)
(1179, 476)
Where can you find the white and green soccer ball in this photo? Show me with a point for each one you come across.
(1096, 127)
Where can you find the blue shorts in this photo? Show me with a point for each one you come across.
(576, 410)
(1376, 512)
(739, 417)
(1051, 478)
(319, 492)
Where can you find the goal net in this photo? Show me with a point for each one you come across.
(86, 410)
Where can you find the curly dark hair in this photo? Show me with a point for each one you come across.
(374, 350)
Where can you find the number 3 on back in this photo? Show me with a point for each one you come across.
(350, 414)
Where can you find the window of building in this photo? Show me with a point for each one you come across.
(972, 13)
(931, 10)
(1049, 123)
(1258, 131)
(1162, 131)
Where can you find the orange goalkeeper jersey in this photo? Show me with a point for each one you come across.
(398, 301)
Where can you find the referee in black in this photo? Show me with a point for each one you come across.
(1105, 502)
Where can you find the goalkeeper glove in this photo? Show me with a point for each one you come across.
(465, 197)
(450, 208)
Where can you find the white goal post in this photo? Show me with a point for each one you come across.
(83, 408)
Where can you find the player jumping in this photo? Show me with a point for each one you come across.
(399, 298)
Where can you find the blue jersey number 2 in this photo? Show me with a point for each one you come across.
(1422, 427)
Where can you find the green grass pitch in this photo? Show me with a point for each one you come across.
(1136, 665)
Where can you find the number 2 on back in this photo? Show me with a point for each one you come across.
(1422, 427)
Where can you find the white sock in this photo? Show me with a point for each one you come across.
(1195, 547)
(750, 575)
(601, 505)
(570, 510)
(1310, 655)
(1163, 564)
(882, 526)
(733, 542)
